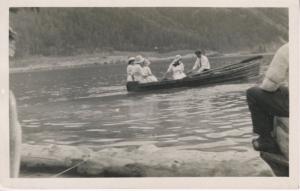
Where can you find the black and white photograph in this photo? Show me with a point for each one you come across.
(136, 92)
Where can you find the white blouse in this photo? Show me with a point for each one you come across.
(202, 64)
(177, 71)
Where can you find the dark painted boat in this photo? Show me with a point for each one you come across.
(234, 72)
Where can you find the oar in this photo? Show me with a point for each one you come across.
(241, 62)
(164, 77)
(251, 59)
(189, 72)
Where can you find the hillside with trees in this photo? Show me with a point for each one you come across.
(71, 31)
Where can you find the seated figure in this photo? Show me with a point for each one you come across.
(270, 99)
(202, 64)
(176, 68)
(149, 77)
(137, 70)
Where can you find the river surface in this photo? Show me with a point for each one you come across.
(91, 107)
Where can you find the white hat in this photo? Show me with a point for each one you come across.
(177, 58)
(139, 59)
(131, 59)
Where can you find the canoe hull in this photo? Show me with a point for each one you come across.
(220, 75)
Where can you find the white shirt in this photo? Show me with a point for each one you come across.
(149, 77)
(129, 73)
(202, 64)
(278, 71)
(138, 74)
(178, 71)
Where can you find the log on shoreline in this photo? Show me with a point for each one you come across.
(145, 161)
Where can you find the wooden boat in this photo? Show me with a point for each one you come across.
(233, 72)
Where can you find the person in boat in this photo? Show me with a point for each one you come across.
(270, 99)
(137, 70)
(15, 130)
(149, 77)
(130, 69)
(201, 64)
(176, 68)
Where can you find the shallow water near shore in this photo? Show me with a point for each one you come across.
(91, 107)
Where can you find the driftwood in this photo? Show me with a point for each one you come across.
(144, 161)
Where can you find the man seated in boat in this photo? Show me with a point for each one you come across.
(130, 69)
(176, 68)
(149, 77)
(270, 99)
(201, 64)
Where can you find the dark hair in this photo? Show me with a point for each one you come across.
(198, 52)
(130, 62)
(176, 63)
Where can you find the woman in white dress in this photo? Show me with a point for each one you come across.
(176, 68)
(130, 69)
(137, 70)
(149, 77)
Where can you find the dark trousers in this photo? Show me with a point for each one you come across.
(264, 105)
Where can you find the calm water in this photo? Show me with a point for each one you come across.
(91, 107)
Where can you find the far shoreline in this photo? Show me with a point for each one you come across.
(42, 63)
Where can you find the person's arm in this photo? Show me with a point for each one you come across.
(201, 67)
(197, 64)
(149, 71)
(169, 70)
(15, 134)
(277, 71)
(129, 70)
(207, 63)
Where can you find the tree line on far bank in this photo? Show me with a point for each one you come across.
(70, 31)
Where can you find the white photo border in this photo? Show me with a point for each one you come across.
(163, 182)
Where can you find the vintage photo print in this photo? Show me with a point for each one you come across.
(148, 95)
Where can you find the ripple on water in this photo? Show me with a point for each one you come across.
(212, 119)
(224, 134)
(192, 138)
(166, 135)
(141, 128)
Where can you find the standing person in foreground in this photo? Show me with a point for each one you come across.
(15, 131)
(201, 64)
(270, 99)
(177, 69)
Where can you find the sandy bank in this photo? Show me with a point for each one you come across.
(144, 161)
